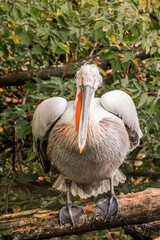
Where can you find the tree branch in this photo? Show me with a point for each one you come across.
(16, 78)
(71, 61)
(145, 231)
(140, 173)
(136, 208)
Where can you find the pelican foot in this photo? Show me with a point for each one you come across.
(108, 207)
(70, 214)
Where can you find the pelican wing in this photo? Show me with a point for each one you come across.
(45, 117)
(122, 105)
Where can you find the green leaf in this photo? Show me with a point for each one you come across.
(153, 50)
(39, 96)
(25, 38)
(115, 66)
(65, 47)
(22, 178)
(136, 95)
(155, 105)
(98, 24)
(128, 57)
(31, 156)
(138, 86)
(99, 34)
(143, 100)
(120, 16)
(31, 87)
(43, 31)
(21, 123)
(24, 131)
(37, 50)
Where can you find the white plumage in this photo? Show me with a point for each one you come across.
(46, 115)
(112, 132)
(122, 105)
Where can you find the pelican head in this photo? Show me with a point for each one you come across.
(88, 79)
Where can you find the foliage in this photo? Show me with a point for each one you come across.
(39, 33)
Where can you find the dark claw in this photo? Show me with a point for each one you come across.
(70, 214)
(108, 207)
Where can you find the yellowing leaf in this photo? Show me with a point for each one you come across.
(96, 62)
(109, 71)
(2, 58)
(58, 12)
(126, 91)
(135, 61)
(49, 19)
(113, 39)
(90, 43)
(143, 3)
(135, 13)
(84, 40)
(156, 4)
(147, 49)
(65, 47)
(15, 39)
(120, 55)
(6, 70)
(158, 41)
(124, 44)
(1, 129)
(102, 71)
(16, 208)
(87, 41)
(143, 18)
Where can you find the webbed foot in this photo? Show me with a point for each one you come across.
(108, 207)
(70, 214)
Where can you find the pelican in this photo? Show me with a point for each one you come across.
(86, 140)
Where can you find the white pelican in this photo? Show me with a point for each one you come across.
(86, 140)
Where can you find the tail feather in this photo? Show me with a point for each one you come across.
(87, 190)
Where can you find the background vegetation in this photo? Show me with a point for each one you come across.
(38, 34)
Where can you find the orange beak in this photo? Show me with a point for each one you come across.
(82, 112)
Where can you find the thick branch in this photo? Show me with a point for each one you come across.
(136, 208)
(140, 173)
(145, 231)
(16, 78)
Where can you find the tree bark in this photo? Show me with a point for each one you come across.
(19, 77)
(136, 208)
(145, 231)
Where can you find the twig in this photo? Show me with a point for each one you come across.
(7, 193)
(127, 71)
(109, 235)
(11, 172)
(74, 54)
(95, 45)
(17, 147)
(20, 144)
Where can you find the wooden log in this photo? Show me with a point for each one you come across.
(145, 231)
(19, 77)
(135, 208)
